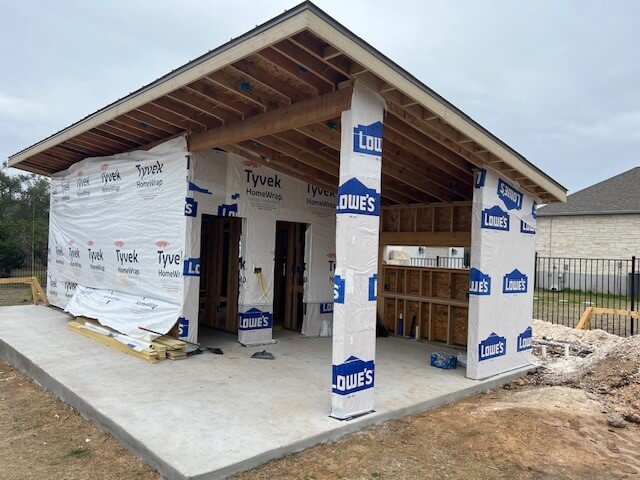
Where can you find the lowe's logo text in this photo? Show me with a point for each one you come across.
(352, 376)
(338, 289)
(367, 139)
(524, 340)
(526, 228)
(495, 218)
(228, 210)
(479, 283)
(511, 197)
(326, 308)
(514, 282)
(191, 267)
(254, 319)
(354, 197)
(481, 178)
(190, 207)
(493, 346)
(183, 327)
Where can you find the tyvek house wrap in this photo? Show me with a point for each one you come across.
(117, 238)
(501, 275)
(125, 239)
(225, 184)
(357, 225)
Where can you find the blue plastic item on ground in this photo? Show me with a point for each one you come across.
(444, 360)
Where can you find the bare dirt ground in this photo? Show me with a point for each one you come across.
(15, 295)
(42, 437)
(553, 424)
(520, 433)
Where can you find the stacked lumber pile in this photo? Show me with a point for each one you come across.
(159, 349)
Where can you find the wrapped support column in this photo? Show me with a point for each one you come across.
(355, 279)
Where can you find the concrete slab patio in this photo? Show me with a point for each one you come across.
(211, 416)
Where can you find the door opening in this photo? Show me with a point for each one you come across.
(219, 269)
(289, 275)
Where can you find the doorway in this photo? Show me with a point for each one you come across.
(219, 269)
(289, 275)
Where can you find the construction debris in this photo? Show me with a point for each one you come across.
(598, 362)
(162, 347)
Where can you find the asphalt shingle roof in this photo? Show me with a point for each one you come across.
(618, 194)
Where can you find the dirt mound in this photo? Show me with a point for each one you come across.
(611, 370)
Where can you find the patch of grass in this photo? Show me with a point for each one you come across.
(78, 452)
(22, 423)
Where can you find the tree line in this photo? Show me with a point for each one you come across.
(24, 221)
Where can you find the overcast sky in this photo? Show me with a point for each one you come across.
(558, 81)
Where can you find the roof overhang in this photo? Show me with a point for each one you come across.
(297, 56)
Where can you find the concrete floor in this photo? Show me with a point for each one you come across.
(214, 415)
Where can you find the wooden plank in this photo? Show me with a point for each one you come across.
(614, 311)
(585, 319)
(147, 355)
(431, 239)
(306, 112)
(423, 298)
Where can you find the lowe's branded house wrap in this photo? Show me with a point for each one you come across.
(297, 179)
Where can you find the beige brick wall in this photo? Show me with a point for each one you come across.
(589, 236)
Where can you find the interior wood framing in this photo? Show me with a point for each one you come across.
(433, 301)
(281, 106)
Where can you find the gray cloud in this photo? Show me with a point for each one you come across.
(557, 80)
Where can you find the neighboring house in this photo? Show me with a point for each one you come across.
(601, 221)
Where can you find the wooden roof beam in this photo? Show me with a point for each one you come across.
(296, 70)
(144, 127)
(409, 133)
(245, 90)
(316, 47)
(203, 106)
(146, 119)
(221, 96)
(306, 112)
(257, 74)
(125, 133)
(323, 69)
(188, 113)
(172, 118)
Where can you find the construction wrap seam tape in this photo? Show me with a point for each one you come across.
(117, 238)
(501, 276)
(355, 280)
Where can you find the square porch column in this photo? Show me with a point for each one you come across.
(355, 279)
(501, 278)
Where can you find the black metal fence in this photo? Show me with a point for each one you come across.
(565, 287)
(25, 264)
